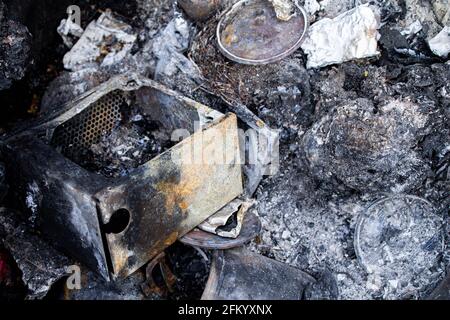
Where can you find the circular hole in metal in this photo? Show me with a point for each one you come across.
(118, 222)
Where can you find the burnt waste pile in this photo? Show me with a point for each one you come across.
(158, 149)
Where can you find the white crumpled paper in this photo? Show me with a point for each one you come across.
(440, 45)
(351, 35)
(105, 42)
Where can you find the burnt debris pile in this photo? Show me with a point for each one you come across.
(154, 149)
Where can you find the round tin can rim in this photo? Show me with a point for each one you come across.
(275, 58)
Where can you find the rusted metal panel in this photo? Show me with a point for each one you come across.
(170, 195)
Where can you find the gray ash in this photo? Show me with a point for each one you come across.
(131, 143)
(310, 208)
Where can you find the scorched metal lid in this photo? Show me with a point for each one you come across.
(251, 33)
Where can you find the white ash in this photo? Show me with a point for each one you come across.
(367, 151)
(315, 238)
(399, 241)
(318, 238)
(418, 10)
(310, 222)
(33, 199)
(128, 146)
(333, 8)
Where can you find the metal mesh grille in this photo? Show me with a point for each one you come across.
(74, 137)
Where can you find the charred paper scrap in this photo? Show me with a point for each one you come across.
(41, 265)
(109, 46)
(91, 48)
(69, 29)
(351, 35)
(123, 210)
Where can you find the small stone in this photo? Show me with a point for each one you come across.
(285, 235)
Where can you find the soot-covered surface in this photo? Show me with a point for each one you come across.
(351, 135)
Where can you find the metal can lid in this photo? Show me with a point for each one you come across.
(251, 33)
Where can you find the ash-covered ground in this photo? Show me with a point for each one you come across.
(351, 134)
(371, 137)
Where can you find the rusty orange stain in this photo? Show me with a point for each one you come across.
(171, 239)
(177, 194)
(230, 37)
(184, 205)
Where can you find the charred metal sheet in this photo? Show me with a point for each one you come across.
(251, 32)
(56, 197)
(115, 225)
(40, 264)
(227, 222)
(169, 196)
(251, 227)
(239, 274)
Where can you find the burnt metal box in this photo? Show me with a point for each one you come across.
(116, 225)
